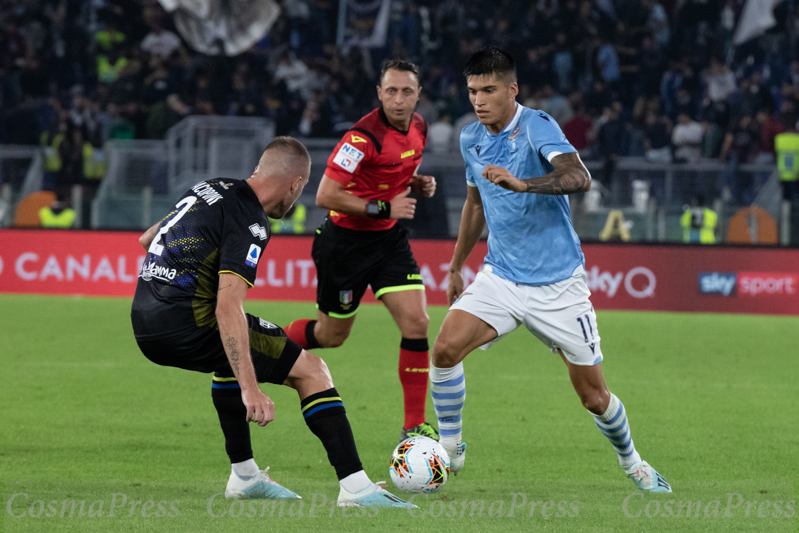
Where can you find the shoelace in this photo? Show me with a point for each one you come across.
(641, 473)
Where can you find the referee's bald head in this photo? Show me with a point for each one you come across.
(285, 157)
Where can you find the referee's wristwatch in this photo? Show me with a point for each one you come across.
(378, 209)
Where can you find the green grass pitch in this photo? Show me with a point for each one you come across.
(711, 399)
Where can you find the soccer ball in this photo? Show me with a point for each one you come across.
(419, 464)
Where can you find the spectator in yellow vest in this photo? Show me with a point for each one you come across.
(53, 147)
(699, 223)
(58, 215)
(786, 146)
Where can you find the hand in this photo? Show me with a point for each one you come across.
(402, 206)
(260, 409)
(423, 185)
(454, 286)
(502, 177)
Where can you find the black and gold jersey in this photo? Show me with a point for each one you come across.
(218, 226)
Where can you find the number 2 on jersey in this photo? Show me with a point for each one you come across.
(184, 206)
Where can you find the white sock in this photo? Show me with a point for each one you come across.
(614, 425)
(355, 482)
(448, 389)
(246, 468)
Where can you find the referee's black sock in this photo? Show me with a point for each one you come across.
(326, 418)
(226, 395)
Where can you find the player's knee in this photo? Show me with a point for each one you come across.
(309, 367)
(334, 340)
(332, 337)
(594, 401)
(446, 354)
(415, 327)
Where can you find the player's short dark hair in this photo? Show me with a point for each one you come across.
(398, 64)
(290, 148)
(491, 60)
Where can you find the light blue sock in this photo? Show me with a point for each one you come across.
(614, 425)
(448, 388)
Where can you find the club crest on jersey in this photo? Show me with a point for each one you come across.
(348, 157)
(345, 297)
(259, 231)
(253, 255)
(512, 138)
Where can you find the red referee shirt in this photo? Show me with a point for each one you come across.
(375, 161)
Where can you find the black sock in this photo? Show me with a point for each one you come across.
(310, 338)
(326, 418)
(226, 394)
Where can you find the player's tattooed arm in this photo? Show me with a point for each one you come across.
(235, 337)
(569, 176)
(233, 353)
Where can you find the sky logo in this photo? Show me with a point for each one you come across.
(720, 283)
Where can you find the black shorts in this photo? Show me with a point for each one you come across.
(347, 261)
(273, 353)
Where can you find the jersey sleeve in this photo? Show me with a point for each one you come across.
(546, 137)
(350, 153)
(244, 237)
(470, 181)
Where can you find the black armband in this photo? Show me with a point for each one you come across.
(378, 209)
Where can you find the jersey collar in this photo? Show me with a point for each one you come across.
(511, 124)
(515, 119)
(384, 119)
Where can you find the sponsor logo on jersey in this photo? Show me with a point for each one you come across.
(477, 149)
(253, 255)
(356, 139)
(259, 231)
(720, 283)
(407, 154)
(151, 271)
(348, 157)
(266, 325)
(415, 276)
(345, 297)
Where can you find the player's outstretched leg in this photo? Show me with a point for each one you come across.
(448, 388)
(611, 419)
(246, 480)
(324, 413)
(460, 333)
(614, 425)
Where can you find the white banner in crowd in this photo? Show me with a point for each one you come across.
(222, 27)
(363, 23)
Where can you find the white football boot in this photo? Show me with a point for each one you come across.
(457, 456)
(259, 486)
(371, 496)
(647, 478)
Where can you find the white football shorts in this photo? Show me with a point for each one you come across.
(559, 314)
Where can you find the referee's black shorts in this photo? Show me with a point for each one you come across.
(347, 261)
(273, 353)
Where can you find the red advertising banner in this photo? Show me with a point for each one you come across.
(620, 276)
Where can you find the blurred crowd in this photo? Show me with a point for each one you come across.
(653, 78)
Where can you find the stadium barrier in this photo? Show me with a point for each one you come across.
(620, 276)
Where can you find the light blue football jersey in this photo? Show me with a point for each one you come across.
(531, 239)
